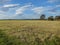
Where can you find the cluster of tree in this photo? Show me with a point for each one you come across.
(43, 17)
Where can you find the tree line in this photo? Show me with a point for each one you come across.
(43, 17)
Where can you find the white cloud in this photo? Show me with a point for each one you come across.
(49, 10)
(38, 10)
(22, 9)
(54, 13)
(10, 5)
(42, 9)
(51, 1)
(1, 12)
(3, 15)
(57, 5)
(17, 11)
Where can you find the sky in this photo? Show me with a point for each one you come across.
(28, 9)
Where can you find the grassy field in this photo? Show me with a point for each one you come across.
(29, 32)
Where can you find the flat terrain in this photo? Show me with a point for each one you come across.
(26, 32)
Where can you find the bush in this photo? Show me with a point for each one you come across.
(51, 18)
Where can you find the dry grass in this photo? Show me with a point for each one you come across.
(28, 30)
(17, 26)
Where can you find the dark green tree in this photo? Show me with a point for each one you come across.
(51, 18)
(57, 17)
(42, 17)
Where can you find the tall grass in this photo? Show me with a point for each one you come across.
(29, 32)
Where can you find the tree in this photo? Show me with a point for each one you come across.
(42, 17)
(51, 18)
(57, 17)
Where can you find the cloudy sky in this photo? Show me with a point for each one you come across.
(28, 9)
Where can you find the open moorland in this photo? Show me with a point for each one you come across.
(29, 32)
